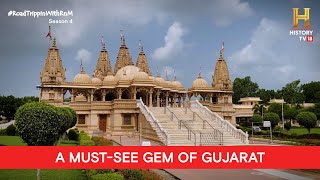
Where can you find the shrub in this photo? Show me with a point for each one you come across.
(287, 125)
(85, 139)
(113, 176)
(73, 135)
(273, 118)
(38, 124)
(73, 120)
(256, 118)
(11, 130)
(101, 141)
(64, 118)
(131, 173)
(3, 132)
(277, 128)
(307, 119)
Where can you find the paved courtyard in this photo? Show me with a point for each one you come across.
(199, 174)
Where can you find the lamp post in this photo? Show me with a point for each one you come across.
(282, 113)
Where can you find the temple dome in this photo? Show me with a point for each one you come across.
(199, 83)
(129, 71)
(82, 77)
(109, 78)
(141, 76)
(177, 84)
(96, 80)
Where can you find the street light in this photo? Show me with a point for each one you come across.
(282, 113)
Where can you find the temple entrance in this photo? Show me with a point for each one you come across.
(110, 96)
(125, 94)
(103, 122)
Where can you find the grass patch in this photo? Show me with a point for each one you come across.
(300, 131)
(11, 141)
(73, 174)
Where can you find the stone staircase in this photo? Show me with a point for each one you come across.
(192, 126)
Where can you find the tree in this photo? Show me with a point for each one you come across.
(41, 124)
(258, 109)
(73, 120)
(292, 93)
(290, 113)
(311, 91)
(287, 126)
(38, 124)
(273, 118)
(266, 95)
(243, 87)
(10, 104)
(307, 119)
(277, 108)
(315, 109)
(256, 118)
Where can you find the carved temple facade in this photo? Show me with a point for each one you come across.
(106, 101)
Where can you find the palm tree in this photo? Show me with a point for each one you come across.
(258, 109)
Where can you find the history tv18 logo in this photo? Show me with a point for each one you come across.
(303, 32)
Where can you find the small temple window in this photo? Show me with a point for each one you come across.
(126, 119)
(81, 119)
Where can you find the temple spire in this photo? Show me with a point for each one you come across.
(174, 75)
(53, 70)
(81, 67)
(200, 76)
(123, 58)
(140, 46)
(221, 51)
(123, 41)
(142, 61)
(54, 44)
(103, 44)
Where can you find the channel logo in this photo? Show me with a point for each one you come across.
(305, 33)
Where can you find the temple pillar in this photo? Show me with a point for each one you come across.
(119, 93)
(174, 100)
(134, 92)
(167, 99)
(91, 97)
(103, 95)
(72, 97)
(210, 96)
(158, 98)
(150, 97)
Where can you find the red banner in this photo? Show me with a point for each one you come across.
(100, 157)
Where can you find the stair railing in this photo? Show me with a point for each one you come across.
(217, 134)
(153, 121)
(237, 133)
(181, 123)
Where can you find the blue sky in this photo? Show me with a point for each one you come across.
(177, 35)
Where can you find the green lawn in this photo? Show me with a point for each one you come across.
(300, 131)
(45, 174)
(17, 141)
(31, 174)
(11, 141)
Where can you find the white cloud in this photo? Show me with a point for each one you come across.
(226, 12)
(273, 57)
(128, 14)
(173, 43)
(83, 55)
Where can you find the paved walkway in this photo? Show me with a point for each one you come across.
(225, 174)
